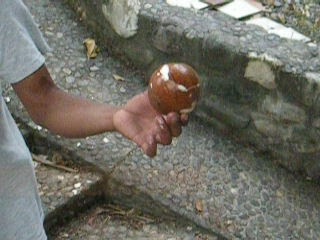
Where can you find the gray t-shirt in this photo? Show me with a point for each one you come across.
(21, 49)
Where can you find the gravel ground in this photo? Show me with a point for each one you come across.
(301, 15)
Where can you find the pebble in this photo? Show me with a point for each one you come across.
(75, 191)
(94, 68)
(83, 83)
(66, 71)
(77, 75)
(314, 50)
(60, 177)
(277, 3)
(7, 99)
(172, 173)
(70, 79)
(48, 33)
(147, 6)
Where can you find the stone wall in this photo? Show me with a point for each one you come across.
(257, 87)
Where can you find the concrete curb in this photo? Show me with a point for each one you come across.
(257, 87)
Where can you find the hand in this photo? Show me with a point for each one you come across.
(141, 123)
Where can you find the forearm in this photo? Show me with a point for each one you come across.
(74, 117)
(61, 112)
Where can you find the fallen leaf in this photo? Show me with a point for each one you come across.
(118, 77)
(92, 49)
(199, 206)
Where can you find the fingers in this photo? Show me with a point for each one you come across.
(150, 146)
(174, 123)
(164, 129)
(162, 132)
(159, 134)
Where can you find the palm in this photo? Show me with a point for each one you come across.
(141, 123)
(138, 120)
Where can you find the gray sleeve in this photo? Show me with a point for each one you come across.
(20, 45)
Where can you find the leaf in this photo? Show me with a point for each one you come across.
(92, 49)
(118, 77)
(199, 205)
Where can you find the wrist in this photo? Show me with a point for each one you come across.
(107, 117)
(115, 111)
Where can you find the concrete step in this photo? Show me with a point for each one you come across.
(226, 188)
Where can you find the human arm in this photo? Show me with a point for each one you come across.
(75, 117)
(59, 111)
